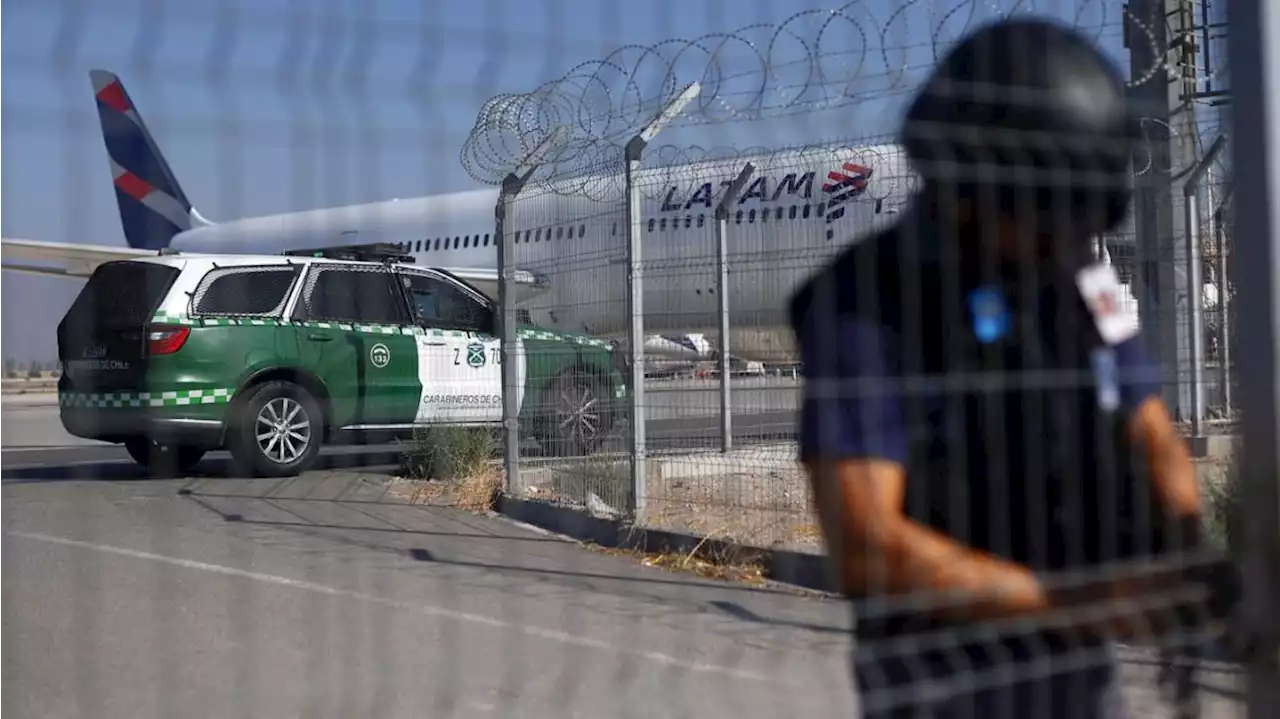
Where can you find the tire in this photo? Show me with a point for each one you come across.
(264, 410)
(577, 415)
(163, 460)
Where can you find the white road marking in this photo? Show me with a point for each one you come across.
(427, 609)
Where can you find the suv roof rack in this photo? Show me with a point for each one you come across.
(373, 252)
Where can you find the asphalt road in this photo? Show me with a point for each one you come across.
(321, 597)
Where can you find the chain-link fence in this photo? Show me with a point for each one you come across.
(599, 341)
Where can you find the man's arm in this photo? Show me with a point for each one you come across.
(1151, 427)
(878, 551)
(853, 445)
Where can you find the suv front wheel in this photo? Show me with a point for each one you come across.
(276, 431)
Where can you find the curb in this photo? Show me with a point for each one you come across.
(799, 569)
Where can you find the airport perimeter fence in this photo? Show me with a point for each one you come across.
(662, 187)
(713, 242)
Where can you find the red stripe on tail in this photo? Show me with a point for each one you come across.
(113, 97)
(133, 186)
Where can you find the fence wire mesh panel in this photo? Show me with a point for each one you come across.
(823, 369)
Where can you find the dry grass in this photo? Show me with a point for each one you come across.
(702, 562)
(764, 508)
(452, 467)
(474, 492)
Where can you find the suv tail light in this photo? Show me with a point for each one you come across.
(166, 339)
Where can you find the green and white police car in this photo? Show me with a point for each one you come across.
(271, 356)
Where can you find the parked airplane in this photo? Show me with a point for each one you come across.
(796, 211)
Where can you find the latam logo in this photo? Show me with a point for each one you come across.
(842, 185)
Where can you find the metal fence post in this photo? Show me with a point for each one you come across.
(1255, 66)
(1195, 279)
(635, 288)
(1224, 303)
(505, 231)
(722, 292)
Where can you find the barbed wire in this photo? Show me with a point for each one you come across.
(814, 61)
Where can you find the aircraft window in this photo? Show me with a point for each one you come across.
(688, 222)
(440, 305)
(560, 233)
(651, 223)
(486, 239)
(820, 209)
(662, 225)
(738, 218)
(582, 230)
(879, 205)
(615, 229)
(437, 243)
(751, 216)
(792, 213)
(778, 216)
(701, 220)
(806, 211)
(537, 236)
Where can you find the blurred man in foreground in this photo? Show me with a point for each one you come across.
(997, 479)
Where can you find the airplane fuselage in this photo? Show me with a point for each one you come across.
(573, 234)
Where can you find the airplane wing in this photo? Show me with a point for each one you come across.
(485, 281)
(69, 259)
(73, 260)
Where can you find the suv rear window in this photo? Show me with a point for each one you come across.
(121, 295)
(245, 290)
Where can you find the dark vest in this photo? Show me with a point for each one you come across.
(1012, 450)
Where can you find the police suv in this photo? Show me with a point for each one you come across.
(272, 356)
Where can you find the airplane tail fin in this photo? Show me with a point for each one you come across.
(153, 207)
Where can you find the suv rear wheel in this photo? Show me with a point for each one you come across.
(577, 415)
(163, 460)
(276, 431)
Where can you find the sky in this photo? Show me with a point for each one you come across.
(266, 106)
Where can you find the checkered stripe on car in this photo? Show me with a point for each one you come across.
(177, 398)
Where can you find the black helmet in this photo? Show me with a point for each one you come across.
(1035, 115)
